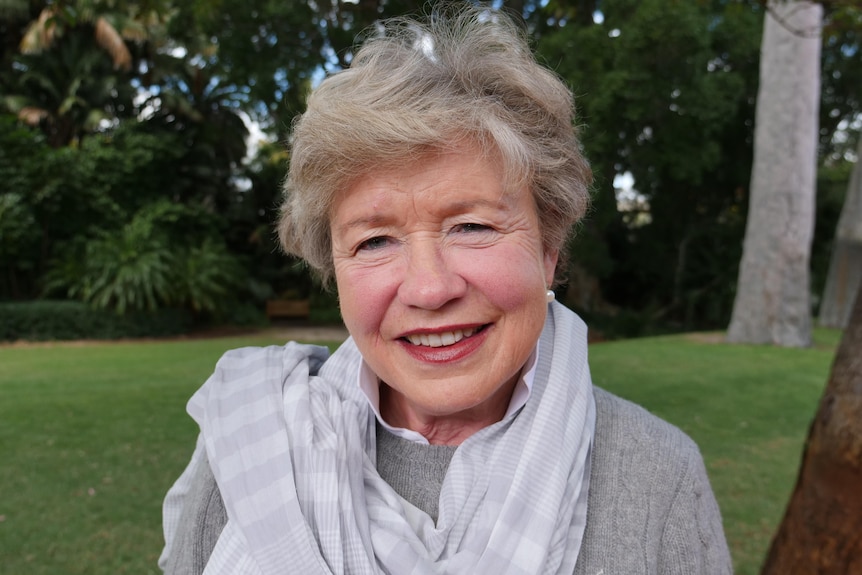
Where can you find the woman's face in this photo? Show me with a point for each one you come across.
(442, 280)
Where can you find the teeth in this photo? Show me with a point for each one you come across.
(440, 339)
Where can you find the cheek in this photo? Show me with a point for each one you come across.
(364, 298)
(510, 278)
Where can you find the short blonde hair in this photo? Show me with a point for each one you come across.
(417, 86)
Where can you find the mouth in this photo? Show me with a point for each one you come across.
(443, 338)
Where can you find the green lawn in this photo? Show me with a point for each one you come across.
(91, 437)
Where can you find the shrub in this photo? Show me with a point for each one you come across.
(42, 320)
(143, 267)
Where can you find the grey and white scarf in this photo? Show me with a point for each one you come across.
(291, 442)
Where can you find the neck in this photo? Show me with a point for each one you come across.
(447, 429)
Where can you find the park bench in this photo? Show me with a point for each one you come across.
(287, 309)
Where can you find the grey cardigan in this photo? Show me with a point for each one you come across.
(651, 509)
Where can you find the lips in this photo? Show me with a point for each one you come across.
(445, 346)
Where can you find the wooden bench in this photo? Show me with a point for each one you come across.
(288, 308)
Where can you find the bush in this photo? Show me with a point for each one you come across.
(242, 314)
(627, 324)
(62, 320)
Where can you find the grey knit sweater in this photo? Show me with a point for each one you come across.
(650, 511)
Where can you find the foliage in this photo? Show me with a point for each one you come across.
(93, 436)
(20, 155)
(41, 320)
(126, 269)
(253, 215)
(135, 268)
(841, 76)
(132, 103)
(204, 110)
(68, 90)
(270, 50)
(205, 275)
(667, 96)
(57, 198)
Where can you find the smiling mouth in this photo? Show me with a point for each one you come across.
(442, 339)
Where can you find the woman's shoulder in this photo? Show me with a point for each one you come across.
(651, 508)
(201, 521)
(625, 426)
(638, 456)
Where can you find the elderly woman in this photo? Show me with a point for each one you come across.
(457, 430)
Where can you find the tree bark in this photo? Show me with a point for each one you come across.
(845, 265)
(773, 303)
(822, 529)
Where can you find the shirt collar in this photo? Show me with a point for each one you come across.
(370, 386)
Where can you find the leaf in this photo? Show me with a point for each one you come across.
(41, 33)
(33, 116)
(14, 9)
(110, 40)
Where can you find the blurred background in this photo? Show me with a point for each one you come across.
(143, 152)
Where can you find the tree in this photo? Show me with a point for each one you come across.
(14, 16)
(57, 18)
(822, 528)
(666, 96)
(51, 196)
(22, 162)
(204, 111)
(772, 302)
(74, 67)
(269, 50)
(840, 96)
(845, 266)
(68, 90)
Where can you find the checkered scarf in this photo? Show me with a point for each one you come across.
(291, 442)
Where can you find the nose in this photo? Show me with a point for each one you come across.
(429, 280)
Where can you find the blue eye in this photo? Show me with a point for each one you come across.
(374, 243)
(470, 228)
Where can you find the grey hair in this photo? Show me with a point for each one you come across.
(420, 86)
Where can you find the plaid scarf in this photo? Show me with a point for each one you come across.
(291, 442)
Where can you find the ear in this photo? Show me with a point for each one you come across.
(550, 264)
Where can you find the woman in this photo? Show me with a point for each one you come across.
(457, 430)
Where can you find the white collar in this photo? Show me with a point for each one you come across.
(370, 387)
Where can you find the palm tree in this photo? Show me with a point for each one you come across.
(110, 29)
(206, 110)
(68, 90)
(72, 70)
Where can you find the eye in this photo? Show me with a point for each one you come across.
(374, 243)
(471, 228)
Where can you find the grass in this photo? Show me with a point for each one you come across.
(93, 435)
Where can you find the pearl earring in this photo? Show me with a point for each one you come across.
(550, 295)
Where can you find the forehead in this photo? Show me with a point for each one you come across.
(441, 181)
(460, 172)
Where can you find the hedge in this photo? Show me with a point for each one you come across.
(42, 320)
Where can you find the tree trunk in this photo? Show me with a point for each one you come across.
(822, 529)
(772, 302)
(845, 266)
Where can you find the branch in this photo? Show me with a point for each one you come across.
(784, 22)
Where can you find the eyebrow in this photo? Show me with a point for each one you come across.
(464, 205)
(379, 220)
(374, 220)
